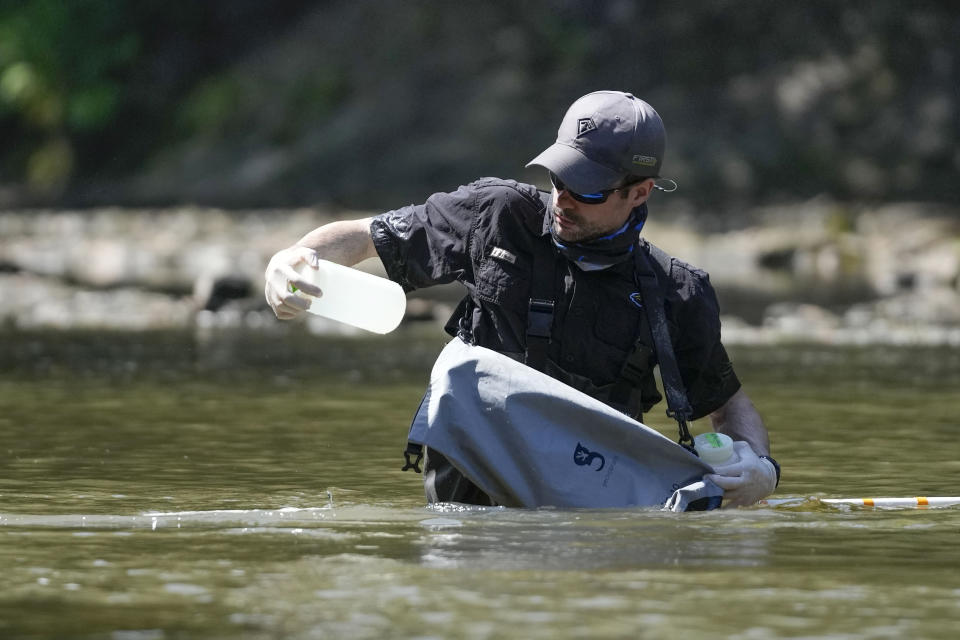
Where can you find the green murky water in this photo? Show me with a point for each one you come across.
(248, 486)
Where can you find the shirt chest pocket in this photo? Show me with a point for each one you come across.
(503, 278)
(613, 314)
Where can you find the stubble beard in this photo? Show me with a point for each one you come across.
(584, 231)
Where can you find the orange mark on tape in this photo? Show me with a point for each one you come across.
(922, 501)
(868, 502)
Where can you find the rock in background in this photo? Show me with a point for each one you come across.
(816, 270)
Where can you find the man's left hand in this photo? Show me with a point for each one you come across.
(745, 481)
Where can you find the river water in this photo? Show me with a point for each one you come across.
(247, 484)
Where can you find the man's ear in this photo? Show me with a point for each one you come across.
(640, 191)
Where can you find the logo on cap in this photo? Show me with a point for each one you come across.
(644, 161)
(585, 125)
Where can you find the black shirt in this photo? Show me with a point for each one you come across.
(489, 234)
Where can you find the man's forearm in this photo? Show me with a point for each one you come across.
(345, 242)
(739, 419)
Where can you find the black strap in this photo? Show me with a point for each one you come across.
(540, 310)
(678, 406)
(626, 391)
(413, 448)
(539, 323)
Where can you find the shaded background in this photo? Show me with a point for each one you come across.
(156, 154)
(241, 103)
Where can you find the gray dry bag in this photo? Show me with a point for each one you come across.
(528, 440)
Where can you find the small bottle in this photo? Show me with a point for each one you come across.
(713, 448)
(355, 297)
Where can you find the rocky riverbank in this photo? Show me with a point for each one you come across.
(815, 270)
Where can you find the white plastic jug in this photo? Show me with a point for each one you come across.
(355, 297)
(713, 448)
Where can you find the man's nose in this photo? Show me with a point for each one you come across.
(564, 196)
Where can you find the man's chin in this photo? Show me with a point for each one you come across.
(572, 235)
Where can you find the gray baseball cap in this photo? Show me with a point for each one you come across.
(604, 137)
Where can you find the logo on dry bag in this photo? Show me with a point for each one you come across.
(637, 299)
(584, 457)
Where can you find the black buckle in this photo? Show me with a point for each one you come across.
(637, 364)
(540, 318)
(412, 449)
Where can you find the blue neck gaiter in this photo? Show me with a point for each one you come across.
(605, 251)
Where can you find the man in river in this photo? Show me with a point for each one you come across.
(556, 280)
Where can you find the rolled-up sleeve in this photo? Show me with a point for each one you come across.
(428, 244)
(703, 361)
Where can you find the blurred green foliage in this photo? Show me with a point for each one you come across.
(248, 103)
(207, 110)
(61, 70)
(86, 85)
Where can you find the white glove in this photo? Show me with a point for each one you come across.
(281, 273)
(745, 481)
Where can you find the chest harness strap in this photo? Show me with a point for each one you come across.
(540, 310)
(678, 406)
(627, 390)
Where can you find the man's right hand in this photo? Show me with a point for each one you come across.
(281, 273)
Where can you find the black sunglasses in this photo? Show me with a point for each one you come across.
(587, 198)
